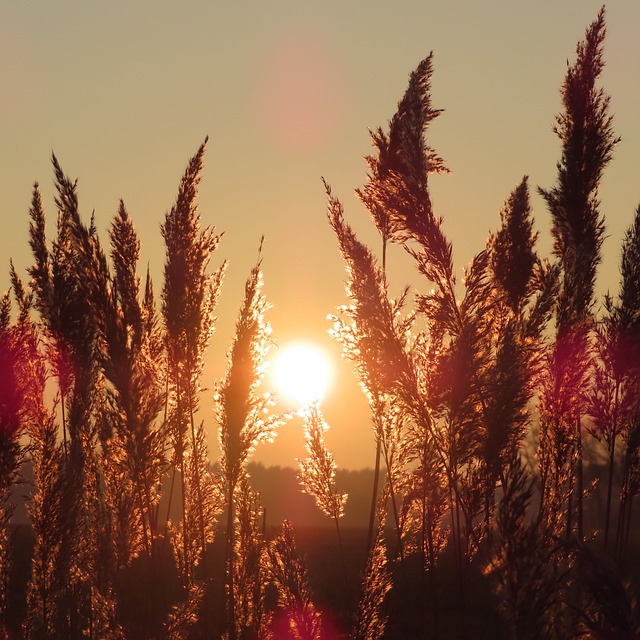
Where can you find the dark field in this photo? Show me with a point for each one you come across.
(462, 611)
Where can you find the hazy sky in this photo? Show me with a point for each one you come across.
(124, 93)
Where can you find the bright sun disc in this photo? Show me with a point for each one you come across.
(301, 372)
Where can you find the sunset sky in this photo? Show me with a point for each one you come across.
(125, 92)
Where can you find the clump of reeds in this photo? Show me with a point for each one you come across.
(316, 474)
(243, 414)
(615, 395)
(450, 378)
(189, 297)
(461, 388)
(81, 594)
(46, 455)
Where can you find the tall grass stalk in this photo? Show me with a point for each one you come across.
(372, 336)
(70, 333)
(316, 474)
(585, 130)
(189, 297)
(243, 413)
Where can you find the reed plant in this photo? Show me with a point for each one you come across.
(46, 453)
(81, 571)
(614, 396)
(189, 297)
(465, 471)
(585, 129)
(243, 414)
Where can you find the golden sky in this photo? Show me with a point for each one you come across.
(125, 91)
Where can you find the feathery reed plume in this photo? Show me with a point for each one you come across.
(109, 350)
(374, 337)
(286, 570)
(405, 196)
(585, 130)
(525, 288)
(243, 413)
(391, 370)
(132, 449)
(241, 410)
(189, 293)
(402, 162)
(189, 297)
(316, 473)
(130, 357)
(379, 341)
(398, 179)
(70, 335)
(513, 256)
(628, 322)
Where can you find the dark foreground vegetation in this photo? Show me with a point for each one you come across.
(487, 399)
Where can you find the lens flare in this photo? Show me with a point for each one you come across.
(301, 91)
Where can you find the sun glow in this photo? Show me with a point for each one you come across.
(301, 372)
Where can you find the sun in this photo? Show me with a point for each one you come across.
(301, 372)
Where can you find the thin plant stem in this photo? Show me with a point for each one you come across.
(199, 491)
(344, 568)
(627, 531)
(612, 450)
(229, 565)
(579, 480)
(374, 496)
(607, 516)
(433, 579)
(396, 517)
(64, 425)
(376, 472)
(203, 540)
